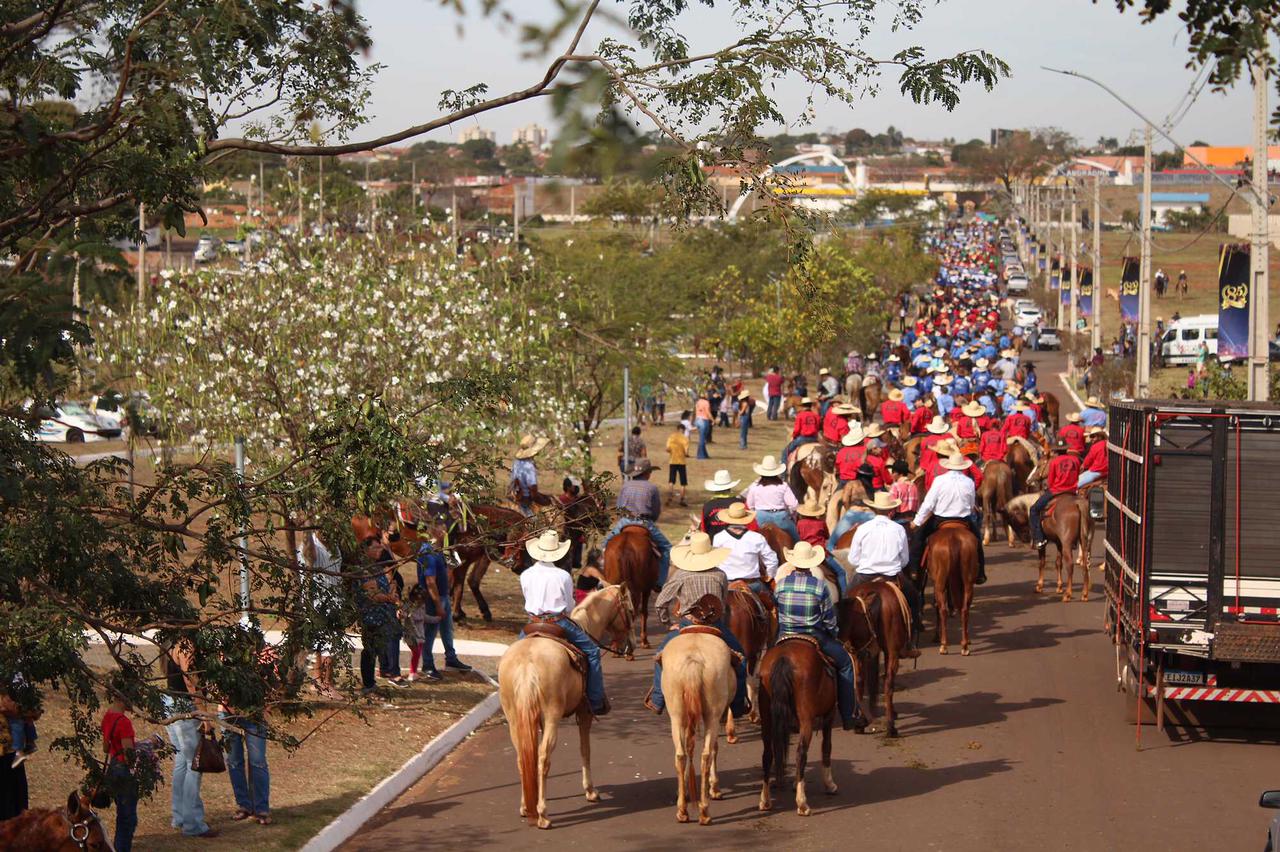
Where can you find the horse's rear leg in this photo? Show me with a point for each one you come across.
(682, 763)
(643, 621)
(967, 595)
(550, 729)
(713, 734)
(890, 676)
(940, 609)
(584, 745)
(1057, 564)
(473, 581)
(802, 756)
(1084, 569)
(1040, 557)
(1068, 555)
(708, 769)
(730, 731)
(766, 759)
(828, 780)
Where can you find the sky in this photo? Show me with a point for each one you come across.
(426, 49)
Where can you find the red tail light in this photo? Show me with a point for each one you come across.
(1155, 615)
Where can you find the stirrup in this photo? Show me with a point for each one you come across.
(648, 702)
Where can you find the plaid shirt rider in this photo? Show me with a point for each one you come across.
(804, 605)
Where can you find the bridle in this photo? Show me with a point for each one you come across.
(871, 630)
(624, 604)
(79, 831)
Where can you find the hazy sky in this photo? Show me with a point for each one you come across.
(426, 49)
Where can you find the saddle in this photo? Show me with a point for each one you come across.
(827, 663)
(901, 597)
(803, 451)
(756, 606)
(708, 609)
(555, 633)
(1053, 503)
(700, 628)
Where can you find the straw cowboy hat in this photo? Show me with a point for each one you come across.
(946, 447)
(824, 372)
(530, 447)
(895, 395)
(845, 408)
(720, 482)
(769, 466)
(939, 353)
(938, 426)
(804, 555)
(893, 358)
(1096, 430)
(698, 554)
(855, 435)
(874, 430)
(983, 363)
(744, 393)
(973, 408)
(882, 502)
(955, 461)
(806, 400)
(811, 508)
(1092, 402)
(547, 547)
(1035, 397)
(737, 515)
(943, 379)
(909, 381)
(1007, 353)
(1073, 417)
(1021, 406)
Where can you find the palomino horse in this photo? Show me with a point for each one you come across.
(1067, 525)
(995, 493)
(951, 558)
(629, 561)
(539, 684)
(75, 828)
(844, 499)
(875, 620)
(750, 623)
(698, 682)
(797, 694)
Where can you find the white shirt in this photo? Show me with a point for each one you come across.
(547, 589)
(743, 561)
(952, 495)
(879, 547)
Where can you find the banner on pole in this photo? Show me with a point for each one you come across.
(1066, 288)
(1084, 303)
(1129, 285)
(1055, 273)
(1233, 301)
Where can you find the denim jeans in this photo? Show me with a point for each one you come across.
(847, 522)
(250, 784)
(738, 706)
(595, 674)
(22, 732)
(780, 518)
(445, 630)
(842, 578)
(775, 405)
(188, 807)
(124, 790)
(659, 539)
(744, 425)
(704, 435)
(796, 442)
(832, 647)
(389, 650)
(1037, 516)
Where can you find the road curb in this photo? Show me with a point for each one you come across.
(1066, 383)
(388, 789)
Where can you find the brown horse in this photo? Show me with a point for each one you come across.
(488, 533)
(629, 560)
(778, 539)
(844, 499)
(1052, 409)
(995, 493)
(1069, 527)
(815, 470)
(698, 682)
(951, 558)
(797, 694)
(870, 397)
(75, 828)
(1022, 459)
(750, 623)
(875, 621)
(539, 684)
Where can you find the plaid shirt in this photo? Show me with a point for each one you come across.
(686, 588)
(804, 605)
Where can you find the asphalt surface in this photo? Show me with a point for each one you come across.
(1022, 745)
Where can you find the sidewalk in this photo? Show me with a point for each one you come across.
(464, 647)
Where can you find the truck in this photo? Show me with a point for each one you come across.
(1192, 552)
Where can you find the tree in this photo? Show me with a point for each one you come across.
(631, 201)
(1025, 155)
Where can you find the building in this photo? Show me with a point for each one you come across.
(533, 135)
(477, 132)
(1164, 203)
(1227, 156)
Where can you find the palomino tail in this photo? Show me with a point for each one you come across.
(692, 706)
(782, 713)
(525, 732)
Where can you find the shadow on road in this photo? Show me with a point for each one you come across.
(970, 710)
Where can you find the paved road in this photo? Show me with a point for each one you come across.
(1022, 745)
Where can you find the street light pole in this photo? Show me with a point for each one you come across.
(1070, 284)
(1143, 353)
(1095, 328)
(1260, 251)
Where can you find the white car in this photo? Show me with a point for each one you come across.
(1027, 317)
(1018, 283)
(73, 423)
(207, 249)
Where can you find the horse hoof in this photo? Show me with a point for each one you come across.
(488, 616)
(717, 794)
(1039, 588)
(892, 733)
(644, 643)
(593, 796)
(765, 807)
(964, 652)
(803, 810)
(753, 717)
(943, 650)
(543, 822)
(704, 820)
(731, 739)
(1066, 598)
(1085, 596)
(682, 816)
(630, 658)
(833, 789)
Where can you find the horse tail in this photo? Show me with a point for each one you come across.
(691, 678)
(525, 725)
(782, 712)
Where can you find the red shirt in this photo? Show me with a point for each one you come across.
(992, 445)
(812, 530)
(834, 426)
(806, 425)
(966, 427)
(1072, 434)
(893, 412)
(1017, 425)
(928, 456)
(116, 727)
(1064, 473)
(920, 418)
(848, 460)
(1096, 458)
(881, 479)
(773, 382)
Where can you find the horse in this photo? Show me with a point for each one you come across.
(75, 828)
(951, 558)
(778, 539)
(815, 470)
(538, 685)
(875, 620)
(852, 385)
(629, 560)
(844, 499)
(1022, 457)
(500, 535)
(869, 399)
(698, 681)
(750, 623)
(1068, 526)
(995, 493)
(911, 451)
(1052, 409)
(797, 694)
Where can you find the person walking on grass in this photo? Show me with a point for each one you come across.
(677, 465)
(746, 406)
(118, 742)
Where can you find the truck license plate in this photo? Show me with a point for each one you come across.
(1186, 678)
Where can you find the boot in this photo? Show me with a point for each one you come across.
(604, 710)
(648, 702)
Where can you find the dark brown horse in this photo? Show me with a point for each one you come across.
(75, 828)
(748, 621)
(487, 533)
(951, 559)
(629, 560)
(796, 695)
(1023, 463)
(779, 540)
(1068, 526)
(813, 471)
(1052, 409)
(995, 493)
(875, 621)
(869, 398)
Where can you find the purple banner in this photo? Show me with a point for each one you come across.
(1084, 301)
(1129, 286)
(1055, 273)
(1233, 301)
(1066, 290)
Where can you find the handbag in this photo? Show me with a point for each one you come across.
(208, 756)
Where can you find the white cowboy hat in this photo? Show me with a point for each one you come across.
(1073, 417)
(855, 435)
(983, 363)
(720, 482)
(894, 358)
(1096, 430)
(737, 515)
(909, 381)
(824, 372)
(939, 353)
(744, 393)
(844, 408)
(871, 356)
(973, 408)
(769, 466)
(955, 461)
(1007, 353)
(895, 395)
(805, 400)
(874, 430)
(530, 447)
(946, 447)
(943, 378)
(938, 426)
(804, 555)
(698, 554)
(1092, 402)
(547, 547)
(882, 502)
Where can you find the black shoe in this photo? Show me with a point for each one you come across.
(457, 666)
(982, 578)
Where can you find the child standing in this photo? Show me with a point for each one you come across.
(22, 731)
(414, 622)
(678, 450)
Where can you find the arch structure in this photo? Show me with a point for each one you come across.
(818, 155)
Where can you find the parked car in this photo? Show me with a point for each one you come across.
(73, 423)
(1049, 339)
(206, 249)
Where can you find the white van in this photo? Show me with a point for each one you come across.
(1181, 341)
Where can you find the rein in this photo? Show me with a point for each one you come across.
(871, 630)
(627, 621)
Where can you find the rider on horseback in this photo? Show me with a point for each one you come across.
(523, 485)
(697, 574)
(640, 502)
(805, 608)
(805, 430)
(1061, 478)
(748, 551)
(879, 550)
(952, 496)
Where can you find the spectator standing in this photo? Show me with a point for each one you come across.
(773, 390)
(413, 621)
(13, 778)
(702, 420)
(575, 509)
(678, 469)
(630, 450)
(746, 406)
(323, 584)
(118, 742)
(433, 577)
(182, 698)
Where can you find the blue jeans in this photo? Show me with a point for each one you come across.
(660, 541)
(445, 630)
(1037, 516)
(775, 404)
(187, 806)
(704, 434)
(780, 518)
(822, 409)
(832, 647)
(124, 790)
(389, 650)
(595, 674)
(744, 425)
(252, 788)
(1087, 477)
(739, 704)
(847, 522)
(842, 579)
(23, 734)
(796, 442)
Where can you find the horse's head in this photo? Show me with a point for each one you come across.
(79, 828)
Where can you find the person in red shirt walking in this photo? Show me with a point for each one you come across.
(836, 422)
(805, 430)
(1072, 434)
(1061, 478)
(894, 411)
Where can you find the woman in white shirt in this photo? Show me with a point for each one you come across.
(771, 499)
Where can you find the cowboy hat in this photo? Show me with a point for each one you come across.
(855, 435)
(895, 395)
(744, 393)
(811, 508)
(909, 381)
(1073, 417)
(1096, 430)
(973, 408)
(805, 400)
(955, 461)
(1021, 406)
(736, 515)
(943, 378)
(874, 430)
(639, 467)
(1008, 353)
(871, 356)
(547, 547)
(698, 554)
(824, 372)
(946, 447)
(720, 482)
(882, 502)
(1092, 402)
(938, 426)
(845, 408)
(982, 363)
(804, 555)
(939, 353)
(530, 447)
(769, 466)
(894, 358)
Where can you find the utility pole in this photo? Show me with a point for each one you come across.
(242, 541)
(453, 219)
(142, 251)
(413, 182)
(1260, 251)
(1095, 328)
(1070, 283)
(515, 212)
(1062, 240)
(573, 204)
(262, 190)
(626, 417)
(320, 218)
(1143, 352)
(299, 198)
